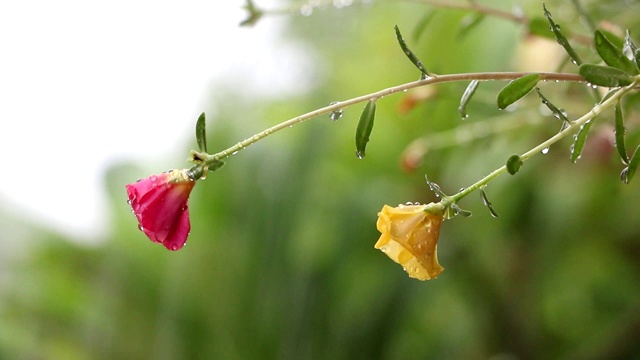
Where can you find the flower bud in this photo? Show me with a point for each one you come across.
(160, 205)
(410, 238)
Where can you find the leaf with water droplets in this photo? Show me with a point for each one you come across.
(612, 54)
(605, 75)
(619, 134)
(557, 112)
(562, 40)
(457, 210)
(630, 170)
(412, 57)
(580, 140)
(487, 203)
(540, 27)
(466, 97)
(365, 126)
(516, 89)
(435, 187)
(201, 135)
(514, 162)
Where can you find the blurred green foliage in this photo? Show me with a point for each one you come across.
(280, 261)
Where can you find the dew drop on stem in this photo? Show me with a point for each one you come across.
(545, 151)
(336, 114)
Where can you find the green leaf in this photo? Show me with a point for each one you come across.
(457, 210)
(201, 135)
(540, 27)
(579, 141)
(630, 170)
(605, 75)
(514, 163)
(365, 125)
(557, 112)
(516, 89)
(469, 22)
(620, 132)
(422, 24)
(612, 54)
(412, 57)
(562, 40)
(487, 203)
(466, 97)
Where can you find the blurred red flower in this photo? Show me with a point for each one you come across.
(160, 205)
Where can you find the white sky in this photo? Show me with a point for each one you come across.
(84, 84)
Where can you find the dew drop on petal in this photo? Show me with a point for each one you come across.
(140, 227)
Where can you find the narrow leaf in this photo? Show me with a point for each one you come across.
(457, 210)
(620, 132)
(557, 112)
(612, 54)
(562, 40)
(514, 163)
(630, 170)
(365, 125)
(579, 140)
(487, 203)
(605, 75)
(201, 135)
(414, 59)
(466, 97)
(629, 47)
(540, 27)
(516, 89)
(435, 187)
(422, 24)
(469, 22)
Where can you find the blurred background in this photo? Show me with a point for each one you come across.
(280, 261)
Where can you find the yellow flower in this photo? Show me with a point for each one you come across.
(410, 238)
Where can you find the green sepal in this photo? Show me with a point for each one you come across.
(516, 89)
(562, 40)
(579, 140)
(619, 134)
(540, 27)
(412, 57)
(605, 75)
(487, 203)
(201, 135)
(630, 170)
(514, 163)
(365, 125)
(466, 97)
(612, 53)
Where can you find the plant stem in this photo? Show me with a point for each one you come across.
(485, 76)
(573, 125)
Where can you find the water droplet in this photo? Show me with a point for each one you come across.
(359, 154)
(140, 227)
(336, 114)
(129, 201)
(545, 151)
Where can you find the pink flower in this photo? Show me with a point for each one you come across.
(160, 204)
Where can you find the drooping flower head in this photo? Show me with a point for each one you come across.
(410, 238)
(160, 205)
